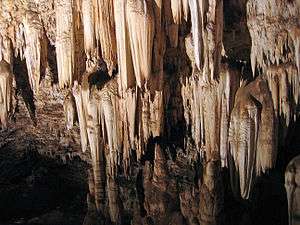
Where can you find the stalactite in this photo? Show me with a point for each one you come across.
(251, 136)
(125, 63)
(6, 88)
(171, 11)
(80, 106)
(176, 6)
(159, 41)
(109, 110)
(36, 48)
(20, 41)
(131, 101)
(140, 19)
(96, 147)
(6, 52)
(197, 27)
(65, 49)
(105, 31)
(282, 81)
(88, 20)
(186, 10)
(69, 110)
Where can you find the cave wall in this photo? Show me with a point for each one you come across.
(121, 83)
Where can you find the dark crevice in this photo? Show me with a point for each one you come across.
(23, 86)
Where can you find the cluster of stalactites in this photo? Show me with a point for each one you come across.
(6, 90)
(275, 51)
(120, 124)
(22, 35)
(207, 33)
(135, 28)
(284, 86)
(211, 105)
(144, 114)
(99, 31)
(97, 115)
(252, 136)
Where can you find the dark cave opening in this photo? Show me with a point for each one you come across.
(35, 189)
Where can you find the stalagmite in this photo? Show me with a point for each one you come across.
(36, 48)
(292, 184)
(114, 201)
(251, 136)
(65, 49)
(141, 28)
(211, 195)
(125, 64)
(6, 80)
(105, 31)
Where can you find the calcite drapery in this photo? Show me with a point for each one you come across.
(251, 136)
(6, 89)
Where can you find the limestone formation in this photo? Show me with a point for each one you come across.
(161, 98)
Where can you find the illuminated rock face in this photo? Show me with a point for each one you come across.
(140, 79)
